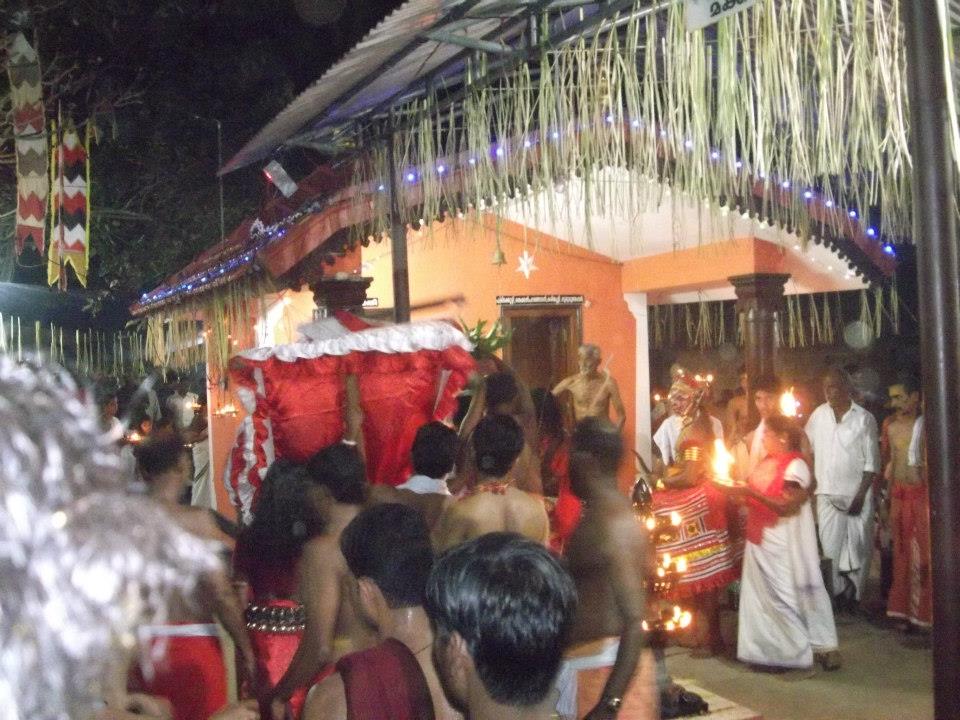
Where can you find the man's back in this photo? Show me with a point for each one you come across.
(606, 550)
(493, 507)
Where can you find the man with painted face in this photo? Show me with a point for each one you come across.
(593, 391)
(846, 458)
(702, 539)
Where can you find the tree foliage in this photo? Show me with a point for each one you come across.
(153, 76)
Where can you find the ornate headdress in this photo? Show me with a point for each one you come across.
(688, 392)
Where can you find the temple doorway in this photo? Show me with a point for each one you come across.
(543, 347)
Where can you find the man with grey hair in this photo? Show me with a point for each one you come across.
(846, 459)
(593, 390)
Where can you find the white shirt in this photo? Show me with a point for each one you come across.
(843, 451)
(423, 485)
(669, 432)
(756, 446)
(915, 451)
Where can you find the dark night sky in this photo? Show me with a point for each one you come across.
(191, 61)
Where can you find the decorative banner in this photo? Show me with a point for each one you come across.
(29, 129)
(701, 13)
(69, 233)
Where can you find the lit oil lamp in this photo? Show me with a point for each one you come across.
(722, 462)
(133, 437)
(227, 410)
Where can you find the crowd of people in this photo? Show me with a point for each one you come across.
(508, 575)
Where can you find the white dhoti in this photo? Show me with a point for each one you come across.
(785, 612)
(584, 674)
(846, 539)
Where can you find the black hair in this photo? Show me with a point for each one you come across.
(497, 443)
(159, 454)
(910, 383)
(434, 450)
(842, 374)
(283, 520)
(549, 416)
(601, 440)
(767, 383)
(514, 606)
(501, 388)
(390, 544)
(780, 425)
(340, 469)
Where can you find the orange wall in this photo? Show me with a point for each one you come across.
(454, 258)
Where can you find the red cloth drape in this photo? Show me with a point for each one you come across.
(759, 516)
(385, 682)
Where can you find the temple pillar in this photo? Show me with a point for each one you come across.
(639, 307)
(759, 300)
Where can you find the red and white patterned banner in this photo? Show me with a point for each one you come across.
(70, 223)
(29, 127)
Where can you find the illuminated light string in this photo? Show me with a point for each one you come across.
(263, 235)
(498, 150)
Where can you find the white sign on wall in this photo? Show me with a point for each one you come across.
(701, 13)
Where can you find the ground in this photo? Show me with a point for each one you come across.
(885, 676)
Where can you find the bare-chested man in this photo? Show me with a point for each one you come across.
(736, 420)
(593, 391)
(902, 494)
(494, 504)
(608, 559)
(192, 677)
(501, 393)
(388, 550)
(333, 624)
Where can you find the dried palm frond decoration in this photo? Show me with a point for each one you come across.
(92, 353)
(810, 321)
(793, 112)
(208, 329)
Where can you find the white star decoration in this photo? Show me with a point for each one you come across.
(526, 264)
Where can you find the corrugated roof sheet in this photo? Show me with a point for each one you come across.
(385, 63)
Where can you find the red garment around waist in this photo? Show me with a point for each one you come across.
(189, 673)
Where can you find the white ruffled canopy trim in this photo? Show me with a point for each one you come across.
(405, 338)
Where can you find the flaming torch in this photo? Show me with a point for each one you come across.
(789, 405)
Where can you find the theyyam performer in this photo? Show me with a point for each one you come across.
(702, 540)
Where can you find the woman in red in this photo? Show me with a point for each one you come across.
(553, 447)
(288, 512)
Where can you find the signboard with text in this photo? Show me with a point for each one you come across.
(519, 300)
(701, 13)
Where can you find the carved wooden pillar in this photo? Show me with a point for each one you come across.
(759, 298)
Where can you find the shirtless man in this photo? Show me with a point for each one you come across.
(387, 549)
(900, 491)
(735, 425)
(333, 625)
(608, 559)
(494, 504)
(593, 391)
(501, 393)
(192, 677)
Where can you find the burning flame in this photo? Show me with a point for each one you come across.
(228, 409)
(134, 437)
(789, 405)
(681, 564)
(722, 461)
(675, 518)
